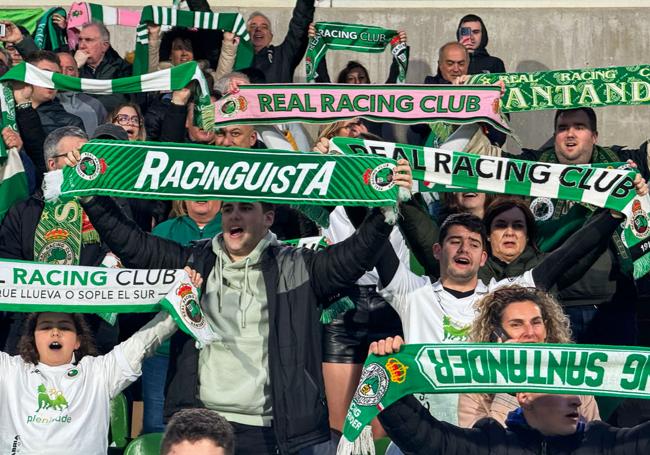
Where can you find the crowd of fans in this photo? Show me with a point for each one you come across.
(456, 267)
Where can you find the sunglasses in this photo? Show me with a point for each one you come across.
(123, 119)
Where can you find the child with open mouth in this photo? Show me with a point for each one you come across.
(56, 393)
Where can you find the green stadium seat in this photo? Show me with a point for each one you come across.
(147, 444)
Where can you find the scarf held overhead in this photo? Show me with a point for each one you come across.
(599, 186)
(325, 103)
(352, 37)
(230, 22)
(194, 172)
(496, 368)
(568, 89)
(81, 13)
(169, 79)
(30, 286)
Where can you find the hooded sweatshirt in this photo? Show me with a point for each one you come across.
(480, 60)
(234, 372)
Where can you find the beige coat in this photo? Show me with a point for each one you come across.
(474, 406)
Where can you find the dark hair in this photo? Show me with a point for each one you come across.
(473, 18)
(352, 65)
(451, 204)
(27, 342)
(591, 115)
(42, 54)
(194, 425)
(471, 222)
(503, 204)
(267, 207)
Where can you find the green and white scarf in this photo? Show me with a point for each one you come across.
(29, 287)
(169, 79)
(493, 368)
(230, 22)
(194, 172)
(48, 35)
(351, 37)
(598, 186)
(7, 114)
(568, 89)
(13, 182)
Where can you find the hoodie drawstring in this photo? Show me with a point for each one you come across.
(241, 296)
(220, 281)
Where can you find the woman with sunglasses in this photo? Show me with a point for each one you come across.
(129, 117)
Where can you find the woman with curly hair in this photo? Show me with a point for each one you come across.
(519, 315)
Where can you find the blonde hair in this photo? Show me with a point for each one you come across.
(491, 307)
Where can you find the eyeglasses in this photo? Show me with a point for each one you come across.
(123, 119)
(60, 155)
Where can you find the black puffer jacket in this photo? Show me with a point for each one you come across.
(417, 432)
(296, 279)
(112, 66)
(278, 63)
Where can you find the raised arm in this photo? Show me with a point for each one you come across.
(593, 235)
(420, 233)
(417, 432)
(134, 247)
(341, 265)
(296, 40)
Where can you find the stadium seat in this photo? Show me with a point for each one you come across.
(119, 429)
(147, 444)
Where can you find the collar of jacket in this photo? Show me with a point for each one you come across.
(516, 422)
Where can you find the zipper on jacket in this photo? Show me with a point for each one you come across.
(543, 452)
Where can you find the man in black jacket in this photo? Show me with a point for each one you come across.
(472, 34)
(96, 59)
(49, 108)
(543, 424)
(263, 299)
(278, 63)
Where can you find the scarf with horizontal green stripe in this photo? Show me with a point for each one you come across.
(33, 287)
(48, 35)
(229, 22)
(352, 37)
(174, 78)
(197, 172)
(492, 368)
(569, 89)
(81, 13)
(600, 186)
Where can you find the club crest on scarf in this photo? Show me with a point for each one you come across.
(190, 309)
(89, 167)
(639, 221)
(372, 386)
(381, 177)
